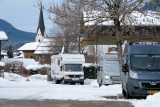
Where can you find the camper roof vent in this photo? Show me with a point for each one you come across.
(147, 43)
(132, 43)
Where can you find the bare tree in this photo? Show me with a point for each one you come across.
(57, 42)
(60, 40)
(118, 12)
(69, 17)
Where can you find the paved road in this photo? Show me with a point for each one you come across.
(55, 103)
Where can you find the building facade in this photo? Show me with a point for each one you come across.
(147, 29)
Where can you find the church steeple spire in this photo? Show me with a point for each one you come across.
(41, 21)
(41, 26)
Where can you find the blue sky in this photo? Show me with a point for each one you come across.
(24, 15)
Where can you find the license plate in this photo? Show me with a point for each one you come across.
(74, 79)
(153, 91)
(116, 78)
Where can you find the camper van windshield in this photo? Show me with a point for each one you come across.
(73, 67)
(149, 62)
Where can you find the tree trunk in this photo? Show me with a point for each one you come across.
(118, 35)
(119, 46)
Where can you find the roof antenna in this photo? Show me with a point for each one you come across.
(62, 50)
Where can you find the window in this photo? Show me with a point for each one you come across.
(73, 67)
(43, 58)
(144, 33)
(150, 62)
(113, 34)
(126, 34)
(58, 62)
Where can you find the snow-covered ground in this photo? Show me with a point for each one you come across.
(13, 86)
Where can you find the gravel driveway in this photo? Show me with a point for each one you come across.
(61, 103)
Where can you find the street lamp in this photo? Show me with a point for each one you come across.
(3, 37)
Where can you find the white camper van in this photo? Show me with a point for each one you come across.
(67, 68)
(108, 69)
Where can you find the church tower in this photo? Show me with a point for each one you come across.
(41, 27)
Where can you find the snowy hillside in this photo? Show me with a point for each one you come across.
(15, 37)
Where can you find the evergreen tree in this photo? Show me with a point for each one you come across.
(10, 52)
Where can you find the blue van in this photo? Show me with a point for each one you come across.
(140, 74)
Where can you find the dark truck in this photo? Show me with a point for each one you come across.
(140, 75)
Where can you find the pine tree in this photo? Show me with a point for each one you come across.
(10, 52)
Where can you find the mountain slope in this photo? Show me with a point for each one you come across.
(16, 38)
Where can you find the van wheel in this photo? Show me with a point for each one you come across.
(82, 83)
(127, 95)
(123, 92)
(49, 78)
(58, 81)
(72, 83)
(100, 84)
(63, 82)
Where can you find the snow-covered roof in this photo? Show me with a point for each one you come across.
(20, 56)
(44, 46)
(70, 58)
(25, 61)
(28, 63)
(3, 36)
(148, 18)
(38, 66)
(29, 46)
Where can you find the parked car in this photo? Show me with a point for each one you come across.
(141, 69)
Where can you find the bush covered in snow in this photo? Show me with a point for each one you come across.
(90, 72)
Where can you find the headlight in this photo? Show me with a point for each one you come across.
(66, 75)
(82, 75)
(107, 77)
(133, 75)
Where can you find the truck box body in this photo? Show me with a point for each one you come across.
(67, 68)
(108, 72)
(141, 69)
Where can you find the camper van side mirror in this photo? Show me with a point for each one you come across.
(125, 68)
(60, 68)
